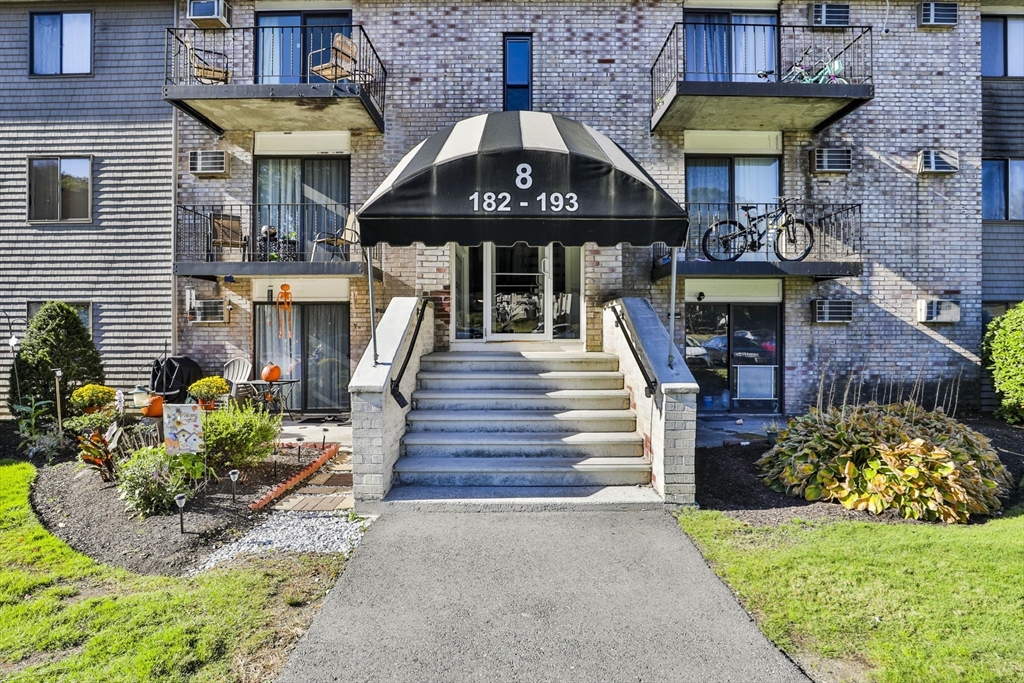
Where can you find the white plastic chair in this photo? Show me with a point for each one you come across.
(236, 372)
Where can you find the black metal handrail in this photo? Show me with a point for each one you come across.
(836, 229)
(652, 384)
(396, 381)
(766, 53)
(272, 55)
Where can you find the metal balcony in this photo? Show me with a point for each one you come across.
(266, 239)
(279, 78)
(835, 252)
(760, 77)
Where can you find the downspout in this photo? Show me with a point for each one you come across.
(174, 202)
(672, 312)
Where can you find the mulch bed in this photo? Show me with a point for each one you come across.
(79, 508)
(729, 481)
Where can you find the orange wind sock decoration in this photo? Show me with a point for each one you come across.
(284, 311)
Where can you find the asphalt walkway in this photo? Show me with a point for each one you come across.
(534, 596)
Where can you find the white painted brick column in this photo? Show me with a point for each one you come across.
(378, 421)
(667, 419)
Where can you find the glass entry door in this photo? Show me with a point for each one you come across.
(517, 293)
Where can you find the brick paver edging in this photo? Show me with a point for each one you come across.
(284, 487)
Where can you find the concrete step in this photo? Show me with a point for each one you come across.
(520, 421)
(474, 381)
(522, 444)
(523, 471)
(522, 498)
(518, 361)
(505, 399)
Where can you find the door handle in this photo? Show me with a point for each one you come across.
(544, 266)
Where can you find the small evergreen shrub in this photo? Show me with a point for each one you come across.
(1004, 354)
(55, 338)
(149, 480)
(240, 436)
(875, 457)
(92, 396)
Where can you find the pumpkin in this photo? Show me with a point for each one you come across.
(154, 406)
(271, 373)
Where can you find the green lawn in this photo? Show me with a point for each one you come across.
(915, 602)
(67, 618)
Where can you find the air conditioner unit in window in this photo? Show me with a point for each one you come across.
(832, 159)
(937, 14)
(832, 310)
(938, 161)
(829, 14)
(207, 311)
(209, 13)
(208, 162)
(938, 311)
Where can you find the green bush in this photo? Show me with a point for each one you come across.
(872, 457)
(89, 423)
(149, 480)
(1004, 354)
(239, 435)
(55, 338)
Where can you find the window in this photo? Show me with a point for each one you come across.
(1002, 189)
(61, 43)
(1002, 46)
(518, 73)
(83, 308)
(60, 188)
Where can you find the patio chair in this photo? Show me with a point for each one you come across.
(336, 241)
(226, 233)
(342, 63)
(207, 66)
(236, 372)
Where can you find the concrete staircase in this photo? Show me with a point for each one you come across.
(521, 419)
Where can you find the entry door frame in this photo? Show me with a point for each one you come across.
(547, 297)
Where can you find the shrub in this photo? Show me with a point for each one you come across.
(89, 423)
(47, 445)
(209, 388)
(149, 480)
(1004, 353)
(240, 435)
(872, 457)
(92, 396)
(55, 338)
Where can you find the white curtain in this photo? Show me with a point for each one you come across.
(753, 46)
(756, 181)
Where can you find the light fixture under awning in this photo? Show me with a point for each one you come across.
(520, 177)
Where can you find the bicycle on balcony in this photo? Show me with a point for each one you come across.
(827, 70)
(791, 237)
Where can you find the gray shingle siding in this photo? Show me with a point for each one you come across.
(1003, 261)
(121, 261)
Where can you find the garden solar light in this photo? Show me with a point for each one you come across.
(180, 500)
(234, 477)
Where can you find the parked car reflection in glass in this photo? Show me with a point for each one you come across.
(695, 353)
(745, 350)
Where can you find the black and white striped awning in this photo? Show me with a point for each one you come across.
(520, 177)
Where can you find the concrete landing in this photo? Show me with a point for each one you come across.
(521, 498)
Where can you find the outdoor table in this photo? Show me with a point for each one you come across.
(271, 392)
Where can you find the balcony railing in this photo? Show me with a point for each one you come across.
(272, 55)
(836, 230)
(761, 53)
(243, 233)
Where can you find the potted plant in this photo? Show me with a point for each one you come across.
(208, 390)
(92, 397)
(771, 429)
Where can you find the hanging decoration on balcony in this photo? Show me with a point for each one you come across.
(284, 311)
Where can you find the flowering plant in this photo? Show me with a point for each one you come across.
(92, 396)
(209, 388)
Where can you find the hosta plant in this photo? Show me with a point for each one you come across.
(872, 457)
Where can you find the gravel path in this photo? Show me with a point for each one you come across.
(298, 532)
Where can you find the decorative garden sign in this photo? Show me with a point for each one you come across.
(183, 428)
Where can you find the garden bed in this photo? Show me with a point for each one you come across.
(729, 481)
(87, 513)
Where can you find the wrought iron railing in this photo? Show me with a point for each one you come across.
(836, 230)
(265, 233)
(763, 53)
(258, 55)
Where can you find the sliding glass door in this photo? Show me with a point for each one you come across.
(312, 347)
(287, 40)
(717, 186)
(724, 46)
